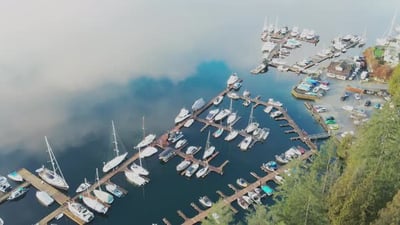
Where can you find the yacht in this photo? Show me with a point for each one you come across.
(191, 150)
(276, 114)
(198, 104)
(205, 201)
(53, 177)
(114, 162)
(148, 151)
(4, 185)
(202, 172)
(270, 166)
(242, 203)
(233, 95)
(232, 135)
(218, 100)
(183, 165)
(174, 136)
(17, 193)
(209, 150)
(252, 125)
(244, 144)
(146, 141)
(183, 114)
(167, 154)
(191, 169)
(180, 143)
(94, 204)
(44, 198)
(246, 93)
(233, 78)
(268, 109)
(80, 211)
(222, 114)
(139, 169)
(113, 189)
(83, 186)
(100, 194)
(236, 86)
(15, 176)
(211, 114)
(135, 178)
(188, 122)
(242, 182)
(217, 133)
(281, 158)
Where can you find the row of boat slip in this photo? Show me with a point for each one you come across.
(188, 168)
(254, 196)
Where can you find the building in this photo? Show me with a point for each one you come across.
(340, 70)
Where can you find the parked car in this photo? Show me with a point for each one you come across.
(344, 97)
(367, 103)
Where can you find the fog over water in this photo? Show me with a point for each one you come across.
(61, 59)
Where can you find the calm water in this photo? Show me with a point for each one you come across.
(159, 100)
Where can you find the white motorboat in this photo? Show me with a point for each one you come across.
(236, 86)
(180, 143)
(281, 158)
(83, 186)
(94, 204)
(276, 113)
(174, 136)
(198, 104)
(114, 162)
(205, 201)
(211, 114)
(233, 78)
(222, 114)
(188, 122)
(139, 169)
(4, 185)
(191, 169)
(113, 189)
(183, 165)
(53, 177)
(232, 135)
(17, 193)
(233, 95)
(44, 198)
(148, 151)
(218, 100)
(247, 199)
(80, 211)
(254, 197)
(182, 115)
(246, 102)
(257, 131)
(135, 178)
(246, 93)
(244, 144)
(15, 176)
(268, 109)
(272, 102)
(279, 179)
(191, 150)
(242, 182)
(167, 154)
(146, 141)
(1, 221)
(264, 133)
(202, 172)
(209, 150)
(242, 203)
(100, 194)
(217, 133)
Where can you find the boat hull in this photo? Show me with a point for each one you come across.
(53, 179)
(114, 162)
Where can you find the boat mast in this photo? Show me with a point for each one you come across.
(251, 115)
(115, 139)
(53, 160)
(97, 178)
(208, 141)
(230, 106)
(143, 127)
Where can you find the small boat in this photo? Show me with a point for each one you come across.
(80, 211)
(222, 114)
(211, 114)
(218, 100)
(252, 125)
(100, 194)
(94, 204)
(201, 172)
(15, 176)
(4, 185)
(274, 103)
(245, 143)
(205, 201)
(183, 165)
(237, 85)
(257, 131)
(182, 115)
(233, 78)
(180, 143)
(44, 198)
(191, 169)
(264, 133)
(1, 221)
(139, 169)
(209, 150)
(174, 136)
(276, 113)
(254, 197)
(247, 199)
(191, 150)
(135, 178)
(231, 118)
(17, 193)
(268, 109)
(233, 95)
(114, 162)
(83, 186)
(148, 151)
(246, 102)
(198, 104)
(270, 166)
(113, 189)
(188, 122)
(242, 203)
(146, 141)
(267, 189)
(167, 154)
(281, 158)
(59, 216)
(232, 135)
(217, 133)
(242, 182)
(246, 93)
(279, 179)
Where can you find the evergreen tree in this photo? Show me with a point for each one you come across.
(391, 214)
(219, 214)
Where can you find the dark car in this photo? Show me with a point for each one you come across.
(367, 103)
(344, 97)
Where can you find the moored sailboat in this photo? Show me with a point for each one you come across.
(135, 178)
(118, 158)
(83, 186)
(209, 150)
(53, 177)
(100, 194)
(202, 172)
